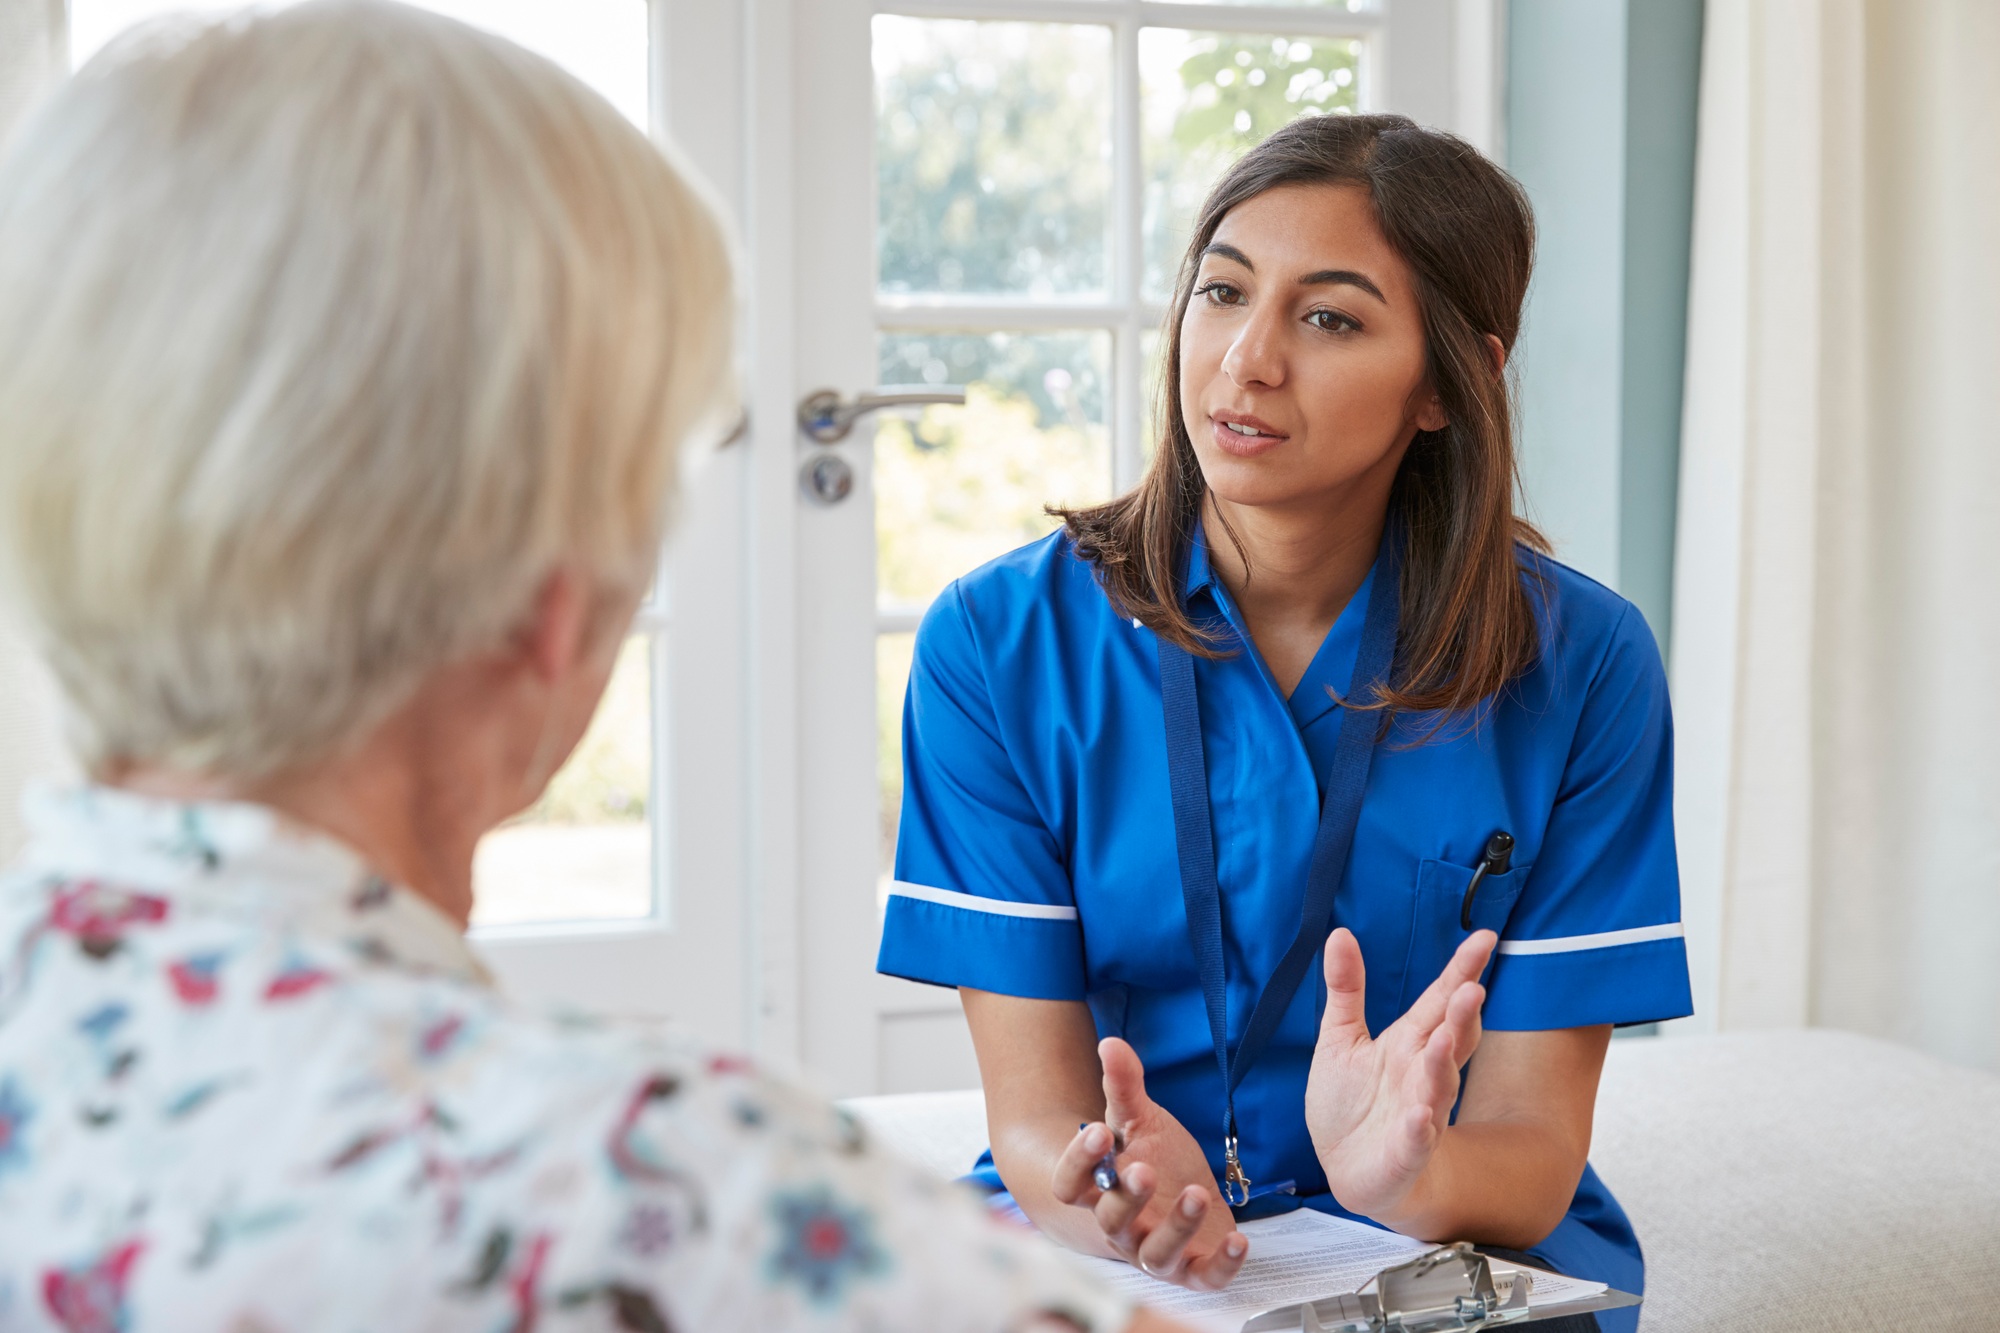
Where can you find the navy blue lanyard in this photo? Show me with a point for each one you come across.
(1340, 811)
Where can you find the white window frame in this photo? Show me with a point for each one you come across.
(717, 627)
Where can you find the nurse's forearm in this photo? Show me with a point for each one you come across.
(1055, 1099)
(1026, 1151)
(1492, 1183)
(1506, 1172)
(1038, 1064)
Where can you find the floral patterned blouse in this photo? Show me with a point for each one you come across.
(246, 1085)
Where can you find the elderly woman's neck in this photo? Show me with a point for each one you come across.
(384, 800)
(476, 741)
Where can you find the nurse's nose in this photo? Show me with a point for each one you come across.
(1256, 357)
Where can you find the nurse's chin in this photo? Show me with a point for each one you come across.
(1271, 478)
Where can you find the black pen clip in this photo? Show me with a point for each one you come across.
(1498, 857)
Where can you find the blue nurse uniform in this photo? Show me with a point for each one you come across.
(1037, 852)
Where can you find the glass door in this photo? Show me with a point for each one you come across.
(1006, 214)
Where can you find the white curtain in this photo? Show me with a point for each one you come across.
(33, 53)
(33, 47)
(1836, 654)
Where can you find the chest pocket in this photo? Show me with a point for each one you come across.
(1435, 933)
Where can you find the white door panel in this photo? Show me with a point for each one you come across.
(834, 348)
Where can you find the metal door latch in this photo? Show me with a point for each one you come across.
(826, 479)
(827, 419)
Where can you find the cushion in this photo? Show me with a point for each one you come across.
(1804, 1180)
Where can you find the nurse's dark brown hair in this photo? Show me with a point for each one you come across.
(1466, 231)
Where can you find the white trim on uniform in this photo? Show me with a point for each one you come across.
(974, 903)
(1608, 939)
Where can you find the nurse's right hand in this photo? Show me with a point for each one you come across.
(1166, 1215)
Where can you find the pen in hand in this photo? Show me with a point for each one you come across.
(1105, 1174)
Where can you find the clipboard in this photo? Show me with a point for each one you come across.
(1447, 1290)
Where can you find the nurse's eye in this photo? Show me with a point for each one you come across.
(1332, 321)
(1218, 292)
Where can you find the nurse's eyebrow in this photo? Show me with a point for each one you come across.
(1326, 277)
(1222, 251)
(1343, 277)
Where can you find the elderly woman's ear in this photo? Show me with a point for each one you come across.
(551, 671)
(575, 626)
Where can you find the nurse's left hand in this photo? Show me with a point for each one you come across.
(1377, 1107)
(1166, 1216)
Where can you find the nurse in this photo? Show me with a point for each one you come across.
(1294, 823)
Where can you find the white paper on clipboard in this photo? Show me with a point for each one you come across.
(1303, 1256)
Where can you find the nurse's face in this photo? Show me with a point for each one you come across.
(1302, 351)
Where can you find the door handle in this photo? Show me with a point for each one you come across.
(826, 418)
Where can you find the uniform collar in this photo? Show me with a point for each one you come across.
(1330, 674)
(240, 861)
(1200, 574)
(1331, 671)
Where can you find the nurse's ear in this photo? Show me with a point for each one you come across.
(1430, 413)
(1430, 410)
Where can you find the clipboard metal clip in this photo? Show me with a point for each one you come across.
(1448, 1290)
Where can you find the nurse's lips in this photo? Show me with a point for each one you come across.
(1243, 435)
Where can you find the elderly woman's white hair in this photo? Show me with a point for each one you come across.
(385, 321)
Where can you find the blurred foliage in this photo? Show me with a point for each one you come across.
(960, 486)
(993, 156)
(1209, 98)
(1240, 88)
(956, 487)
(1063, 376)
(608, 778)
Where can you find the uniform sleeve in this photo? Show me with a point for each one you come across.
(1596, 937)
(982, 893)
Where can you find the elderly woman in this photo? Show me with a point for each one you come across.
(345, 357)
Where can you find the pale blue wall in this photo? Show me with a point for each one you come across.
(1600, 129)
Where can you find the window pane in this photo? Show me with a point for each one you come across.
(602, 42)
(892, 677)
(958, 486)
(584, 851)
(1208, 97)
(993, 156)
